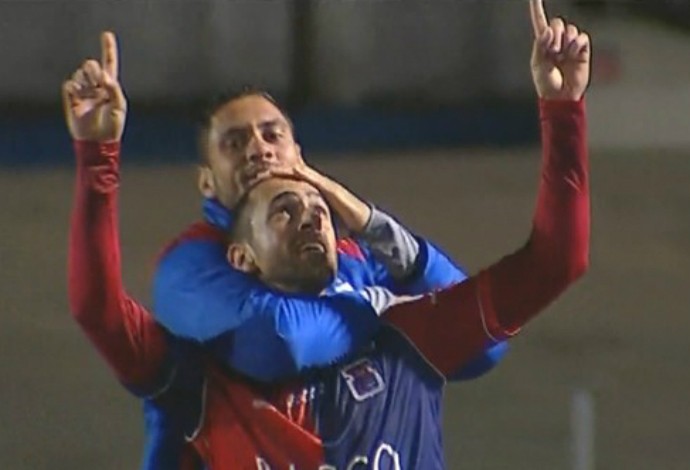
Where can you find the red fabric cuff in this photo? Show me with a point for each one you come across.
(90, 152)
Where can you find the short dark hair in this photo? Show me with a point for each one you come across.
(222, 99)
(240, 229)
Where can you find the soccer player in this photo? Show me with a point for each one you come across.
(197, 295)
(324, 329)
(382, 408)
(202, 298)
(457, 322)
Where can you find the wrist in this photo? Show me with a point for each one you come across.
(552, 107)
(92, 151)
(84, 141)
(353, 212)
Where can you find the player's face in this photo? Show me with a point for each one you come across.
(293, 239)
(247, 136)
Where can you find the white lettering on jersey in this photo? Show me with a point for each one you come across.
(261, 464)
(359, 459)
(357, 462)
(390, 452)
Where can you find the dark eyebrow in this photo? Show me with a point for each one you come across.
(289, 194)
(262, 125)
(314, 194)
(281, 197)
(271, 123)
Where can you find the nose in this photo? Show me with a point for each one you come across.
(312, 220)
(259, 151)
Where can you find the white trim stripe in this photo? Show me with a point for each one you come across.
(482, 314)
(165, 387)
(504, 332)
(202, 415)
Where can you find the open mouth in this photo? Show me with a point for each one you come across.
(313, 247)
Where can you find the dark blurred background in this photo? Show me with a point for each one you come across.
(426, 108)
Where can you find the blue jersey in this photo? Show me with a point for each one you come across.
(192, 299)
(378, 408)
(382, 410)
(199, 296)
(445, 329)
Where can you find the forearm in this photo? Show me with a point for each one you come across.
(557, 252)
(119, 328)
(253, 329)
(353, 212)
(303, 335)
(390, 243)
(411, 265)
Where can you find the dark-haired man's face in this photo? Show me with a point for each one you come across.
(288, 237)
(247, 136)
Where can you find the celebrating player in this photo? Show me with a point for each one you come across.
(198, 295)
(556, 253)
(382, 408)
(317, 331)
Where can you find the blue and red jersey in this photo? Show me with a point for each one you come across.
(381, 408)
(201, 297)
(422, 343)
(98, 299)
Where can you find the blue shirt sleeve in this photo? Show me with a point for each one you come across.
(434, 270)
(198, 295)
(165, 439)
(269, 335)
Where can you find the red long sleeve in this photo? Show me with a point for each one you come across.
(462, 320)
(122, 330)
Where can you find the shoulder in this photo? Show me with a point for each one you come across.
(197, 232)
(354, 264)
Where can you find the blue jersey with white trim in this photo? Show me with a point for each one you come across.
(199, 296)
(307, 338)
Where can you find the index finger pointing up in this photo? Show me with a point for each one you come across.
(109, 61)
(539, 20)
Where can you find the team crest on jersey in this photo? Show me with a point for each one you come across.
(363, 380)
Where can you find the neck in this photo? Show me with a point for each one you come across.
(302, 288)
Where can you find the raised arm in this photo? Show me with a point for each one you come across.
(494, 304)
(120, 329)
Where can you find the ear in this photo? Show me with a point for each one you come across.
(206, 183)
(241, 257)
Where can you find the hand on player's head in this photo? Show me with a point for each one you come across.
(94, 103)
